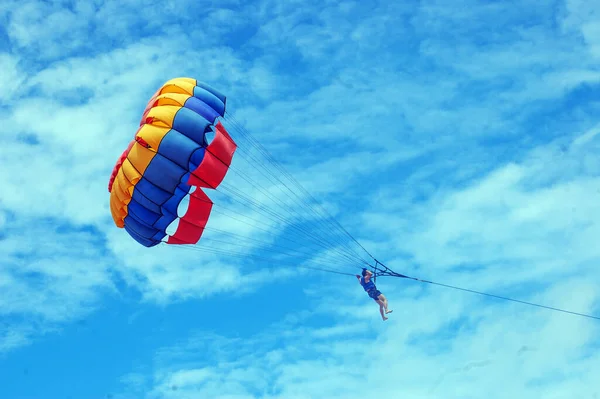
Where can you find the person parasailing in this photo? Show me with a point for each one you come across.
(373, 292)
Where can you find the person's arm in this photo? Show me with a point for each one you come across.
(358, 277)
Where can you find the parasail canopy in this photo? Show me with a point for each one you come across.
(157, 184)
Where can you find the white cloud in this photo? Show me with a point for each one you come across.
(50, 275)
(433, 153)
(13, 337)
(582, 18)
(11, 78)
(424, 350)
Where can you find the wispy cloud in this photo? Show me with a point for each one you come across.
(458, 144)
(51, 273)
(462, 354)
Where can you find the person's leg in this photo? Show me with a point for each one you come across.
(385, 303)
(380, 303)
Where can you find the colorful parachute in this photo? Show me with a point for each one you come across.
(169, 162)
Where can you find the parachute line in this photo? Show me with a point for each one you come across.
(279, 262)
(317, 209)
(388, 272)
(287, 208)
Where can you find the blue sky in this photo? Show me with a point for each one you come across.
(456, 143)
